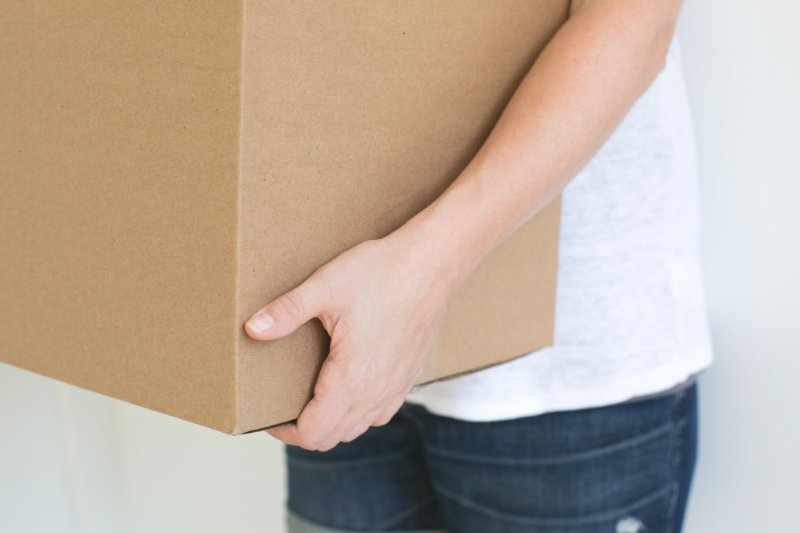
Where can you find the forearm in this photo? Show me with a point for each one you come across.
(584, 82)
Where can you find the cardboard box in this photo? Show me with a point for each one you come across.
(168, 168)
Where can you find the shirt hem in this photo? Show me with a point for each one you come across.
(619, 391)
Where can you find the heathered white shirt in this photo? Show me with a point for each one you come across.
(630, 308)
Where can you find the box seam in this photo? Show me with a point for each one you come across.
(235, 426)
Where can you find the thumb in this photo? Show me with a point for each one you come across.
(286, 313)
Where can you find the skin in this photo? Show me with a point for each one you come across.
(382, 300)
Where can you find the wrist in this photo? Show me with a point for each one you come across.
(447, 240)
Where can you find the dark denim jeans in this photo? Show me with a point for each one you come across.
(625, 468)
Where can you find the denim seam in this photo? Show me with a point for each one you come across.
(312, 522)
(381, 527)
(586, 520)
(389, 522)
(570, 458)
(336, 463)
(675, 456)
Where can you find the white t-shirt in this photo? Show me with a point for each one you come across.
(630, 308)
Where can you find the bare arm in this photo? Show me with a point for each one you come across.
(580, 88)
(381, 301)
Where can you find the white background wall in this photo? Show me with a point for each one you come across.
(75, 462)
(743, 67)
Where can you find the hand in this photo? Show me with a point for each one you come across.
(381, 308)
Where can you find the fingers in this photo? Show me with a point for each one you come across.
(297, 434)
(302, 435)
(321, 416)
(286, 313)
(342, 409)
(287, 434)
(365, 413)
(356, 432)
(377, 417)
(325, 421)
(317, 424)
(349, 425)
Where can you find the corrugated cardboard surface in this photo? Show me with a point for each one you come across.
(166, 169)
(355, 116)
(119, 131)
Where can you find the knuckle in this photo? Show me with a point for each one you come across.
(327, 445)
(388, 414)
(382, 420)
(292, 304)
(357, 432)
(308, 441)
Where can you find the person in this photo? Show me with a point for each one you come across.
(597, 433)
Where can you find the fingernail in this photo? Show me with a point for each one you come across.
(261, 322)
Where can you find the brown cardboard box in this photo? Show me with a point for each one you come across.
(167, 168)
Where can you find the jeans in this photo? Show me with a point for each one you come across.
(624, 468)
